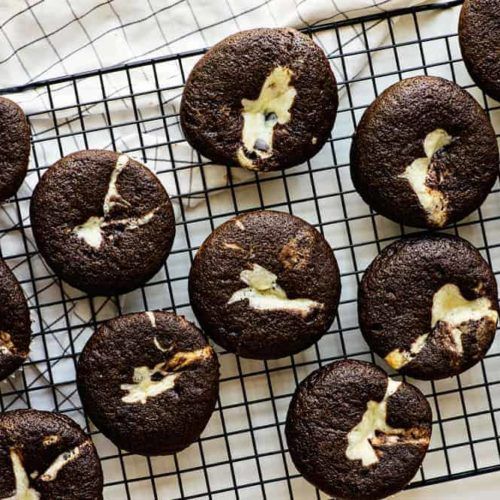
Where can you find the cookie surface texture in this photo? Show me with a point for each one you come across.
(265, 285)
(479, 36)
(263, 99)
(47, 456)
(424, 153)
(15, 325)
(428, 305)
(14, 147)
(354, 433)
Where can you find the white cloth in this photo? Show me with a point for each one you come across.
(42, 39)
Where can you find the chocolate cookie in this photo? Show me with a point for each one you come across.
(102, 221)
(428, 305)
(355, 433)
(149, 381)
(424, 153)
(47, 456)
(479, 36)
(264, 99)
(15, 325)
(265, 285)
(14, 147)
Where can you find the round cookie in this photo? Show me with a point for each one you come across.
(149, 381)
(265, 285)
(46, 455)
(424, 153)
(14, 147)
(264, 99)
(428, 305)
(15, 324)
(479, 36)
(102, 221)
(354, 433)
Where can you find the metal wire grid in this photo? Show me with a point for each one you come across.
(242, 453)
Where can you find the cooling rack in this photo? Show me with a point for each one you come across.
(242, 453)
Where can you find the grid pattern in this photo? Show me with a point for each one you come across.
(42, 39)
(242, 453)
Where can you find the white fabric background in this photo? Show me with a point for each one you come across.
(40, 39)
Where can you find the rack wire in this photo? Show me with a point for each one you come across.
(242, 453)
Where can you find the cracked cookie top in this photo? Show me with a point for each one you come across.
(263, 99)
(149, 381)
(428, 305)
(424, 153)
(102, 221)
(355, 433)
(265, 285)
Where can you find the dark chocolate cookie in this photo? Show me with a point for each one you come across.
(47, 456)
(428, 305)
(149, 381)
(265, 99)
(265, 285)
(479, 35)
(14, 147)
(424, 153)
(15, 325)
(355, 433)
(102, 221)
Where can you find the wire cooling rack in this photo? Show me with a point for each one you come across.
(243, 453)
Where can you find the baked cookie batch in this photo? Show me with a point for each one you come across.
(265, 284)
